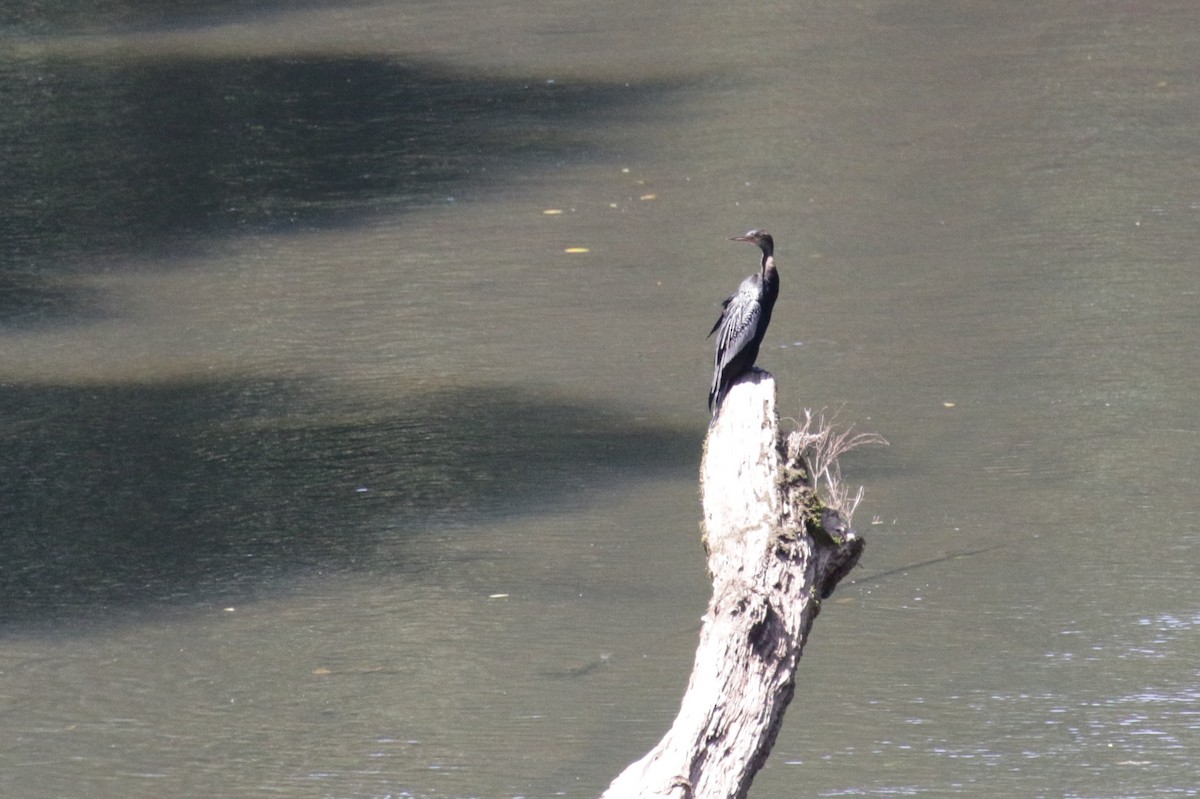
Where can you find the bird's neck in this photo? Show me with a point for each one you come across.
(768, 263)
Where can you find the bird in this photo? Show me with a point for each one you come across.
(743, 320)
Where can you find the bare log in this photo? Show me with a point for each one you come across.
(772, 561)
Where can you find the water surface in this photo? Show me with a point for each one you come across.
(331, 473)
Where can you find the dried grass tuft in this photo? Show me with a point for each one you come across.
(817, 445)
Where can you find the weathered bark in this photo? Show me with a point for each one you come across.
(770, 564)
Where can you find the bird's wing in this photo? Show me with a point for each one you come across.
(737, 325)
(721, 318)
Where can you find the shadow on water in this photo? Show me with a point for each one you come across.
(120, 498)
(66, 16)
(153, 157)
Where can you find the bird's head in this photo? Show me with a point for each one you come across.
(761, 238)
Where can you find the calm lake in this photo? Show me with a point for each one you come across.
(354, 372)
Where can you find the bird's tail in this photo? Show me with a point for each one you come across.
(715, 395)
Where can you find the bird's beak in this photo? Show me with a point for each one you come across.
(740, 238)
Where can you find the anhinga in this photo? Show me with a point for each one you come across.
(744, 319)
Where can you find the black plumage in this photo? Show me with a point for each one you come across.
(743, 321)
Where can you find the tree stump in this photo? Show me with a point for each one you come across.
(772, 561)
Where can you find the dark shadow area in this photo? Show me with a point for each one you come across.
(57, 17)
(157, 157)
(120, 498)
(29, 299)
